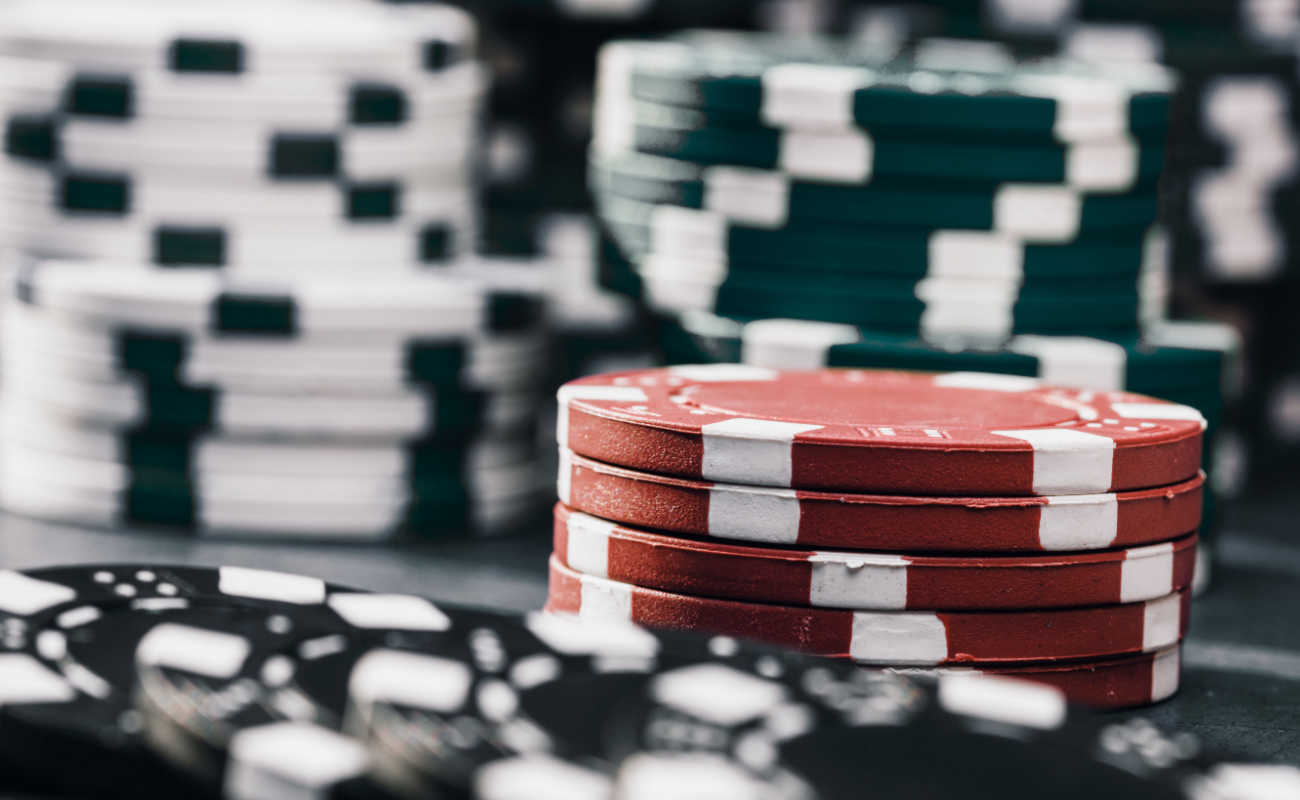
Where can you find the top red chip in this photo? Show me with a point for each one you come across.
(879, 431)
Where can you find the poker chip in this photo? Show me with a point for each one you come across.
(439, 500)
(585, 673)
(49, 433)
(296, 194)
(865, 580)
(69, 649)
(95, 353)
(299, 689)
(1027, 293)
(361, 692)
(934, 309)
(1110, 754)
(147, 297)
(319, 100)
(819, 83)
(310, 249)
(771, 516)
(770, 197)
(1107, 683)
(409, 414)
(979, 718)
(908, 638)
(237, 154)
(683, 232)
(101, 476)
(1170, 357)
(972, 433)
(289, 37)
(858, 157)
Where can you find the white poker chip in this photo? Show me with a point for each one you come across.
(240, 35)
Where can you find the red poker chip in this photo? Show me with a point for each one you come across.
(885, 638)
(860, 580)
(880, 522)
(879, 431)
(1103, 684)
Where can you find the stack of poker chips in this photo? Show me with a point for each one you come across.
(239, 303)
(944, 204)
(898, 519)
(946, 190)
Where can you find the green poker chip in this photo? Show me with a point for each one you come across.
(1187, 360)
(666, 131)
(750, 194)
(947, 307)
(930, 85)
(641, 228)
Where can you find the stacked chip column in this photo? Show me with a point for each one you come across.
(900, 520)
(243, 305)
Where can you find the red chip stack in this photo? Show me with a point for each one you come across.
(902, 520)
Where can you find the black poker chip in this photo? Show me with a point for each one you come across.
(246, 726)
(826, 730)
(67, 654)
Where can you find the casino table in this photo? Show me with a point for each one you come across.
(1241, 666)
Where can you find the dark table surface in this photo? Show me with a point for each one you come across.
(1241, 681)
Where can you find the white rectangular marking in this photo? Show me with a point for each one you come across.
(1078, 522)
(1147, 572)
(23, 679)
(22, 595)
(1157, 411)
(195, 650)
(605, 600)
(1075, 360)
(1003, 699)
(741, 512)
(401, 611)
(837, 157)
(1068, 461)
(811, 95)
(588, 550)
(267, 585)
(1038, 212)
(752, 196)
(1161, 622)
(858, 580)
(913, 638)
(1165, 671)
(751, 450)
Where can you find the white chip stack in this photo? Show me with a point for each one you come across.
(241, 302)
